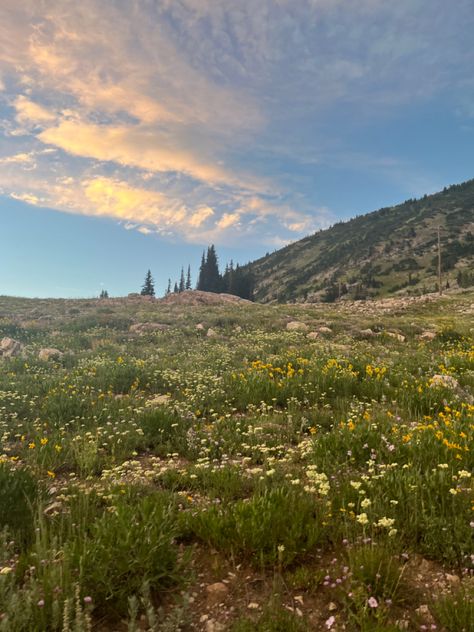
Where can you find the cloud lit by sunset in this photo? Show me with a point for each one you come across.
(243, 123)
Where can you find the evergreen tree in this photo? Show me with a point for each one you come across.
(188, 279)
(202, 274)
(104, 294)
(212, 277)
(182, 283)
(176, 288)
(168, 289)
(148, 288)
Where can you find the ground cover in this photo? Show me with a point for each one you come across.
(237, 467)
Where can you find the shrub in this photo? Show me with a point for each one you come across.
(128, 547)
(19, 495)
(272, 528)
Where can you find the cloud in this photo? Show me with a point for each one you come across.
(28, 112)
(193, 118)
(200, 216)
(227, 220)
(136, 146)
(21, 158)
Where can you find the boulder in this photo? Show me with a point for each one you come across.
(211, 333)
(50, 354)
(428, 335)
(312, 335)
(296, 325)
(394, 334)
(198, 297)
(367, 332)
(10, 348)
(324, 330)
(199, 326)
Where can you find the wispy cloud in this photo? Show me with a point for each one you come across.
(157, 114)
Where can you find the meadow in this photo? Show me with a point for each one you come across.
(239, 467)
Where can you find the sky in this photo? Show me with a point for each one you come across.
(134, 133)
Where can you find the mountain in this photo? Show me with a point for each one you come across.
(390, 251)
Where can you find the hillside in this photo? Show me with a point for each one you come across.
(389, 251)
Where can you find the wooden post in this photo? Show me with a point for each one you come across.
(439, 263)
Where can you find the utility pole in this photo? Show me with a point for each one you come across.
(439, 263)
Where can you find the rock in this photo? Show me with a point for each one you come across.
(237, 329)
(312, 335)
(142, 328)
(453, 580)
(332, 606)
(10, 348)
(444, 381)
(397, 336)
(296, 325)
(324, 330)
(200, 326)
(197, 297)
(50, 354)
(216, 592)
(253, 606)
(211, 333)
(428, 335)
(214, 626)
(367, 332)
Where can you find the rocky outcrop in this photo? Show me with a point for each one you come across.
(196, 297)
(9, 348)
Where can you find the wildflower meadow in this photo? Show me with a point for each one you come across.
(237, 467)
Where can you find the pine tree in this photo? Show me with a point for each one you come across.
(168, 289)
(176, 288)
(104, 294)
(202, 274)
(182, 283)
(188, 279)
(148, 288)
(213, 278)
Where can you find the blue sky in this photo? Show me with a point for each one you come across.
(133, 133)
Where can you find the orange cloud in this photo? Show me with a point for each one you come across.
(131, 146)
(29, 112)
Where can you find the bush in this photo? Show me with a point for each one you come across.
(128, 547)
(18, 499)
(273, 528)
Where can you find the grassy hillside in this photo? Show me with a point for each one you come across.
(392, 250)
(236, 467)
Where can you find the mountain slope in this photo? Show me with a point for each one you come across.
(392, 250)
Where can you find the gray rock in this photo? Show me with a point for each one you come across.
(296, 325)
(324, 330)
(10, 348)
(50, 354)
(428, 335)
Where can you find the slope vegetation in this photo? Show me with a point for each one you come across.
(392, 250)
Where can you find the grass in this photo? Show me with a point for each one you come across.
(317, 464)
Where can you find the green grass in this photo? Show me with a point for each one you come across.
(128, 466)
